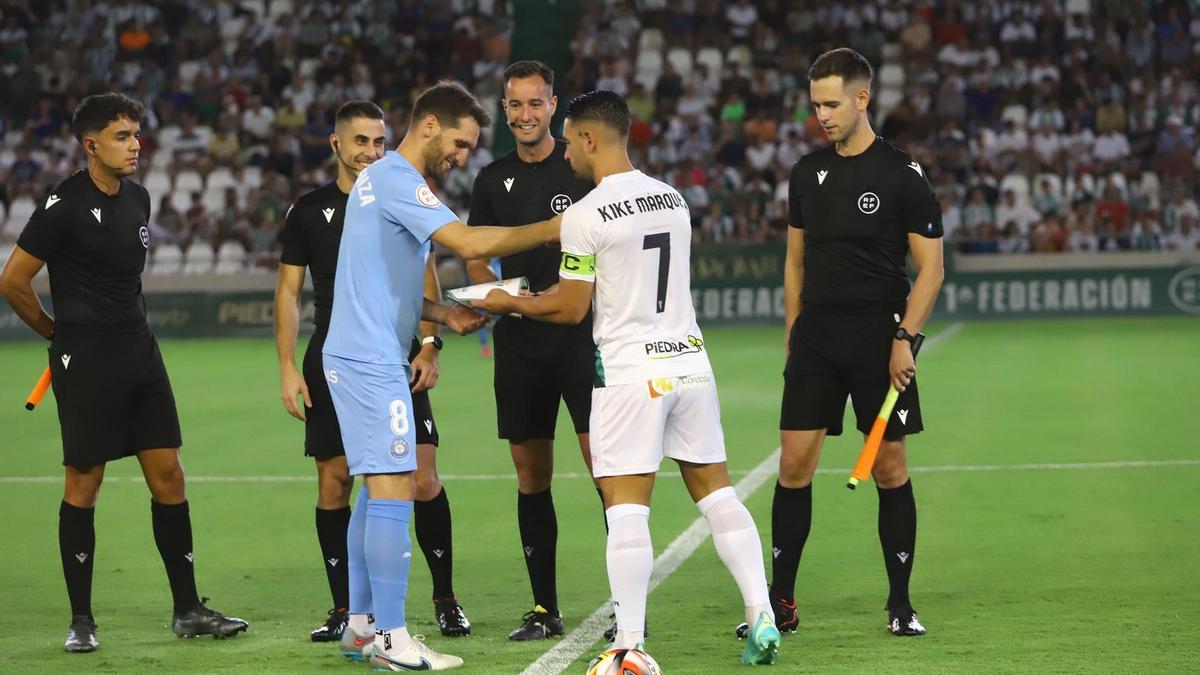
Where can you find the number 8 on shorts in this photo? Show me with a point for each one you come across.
(374, 410)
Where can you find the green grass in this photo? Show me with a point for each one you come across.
(1020, 569)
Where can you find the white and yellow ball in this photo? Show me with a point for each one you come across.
(624, 662)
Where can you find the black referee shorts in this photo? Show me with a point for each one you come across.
(832, 356)
(528, 390)
(322, 434)
(113, 395)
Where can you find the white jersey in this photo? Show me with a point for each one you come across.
(632, 237)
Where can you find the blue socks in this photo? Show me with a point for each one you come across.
(356, 557)
(387, 551)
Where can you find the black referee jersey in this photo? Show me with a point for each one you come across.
(94, 246)
(856, 213)
(312, 233)
(511, 192)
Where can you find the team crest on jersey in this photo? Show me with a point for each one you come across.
(868, 202)
(399, 449)
(426, 197)
(560, 203)
(144, 235)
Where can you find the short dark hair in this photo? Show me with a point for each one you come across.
(98, 110)
(357, 108)
(842, 62)
(449, 102)
(529, 69)
(604, 106)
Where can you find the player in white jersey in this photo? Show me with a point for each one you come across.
(629, 242)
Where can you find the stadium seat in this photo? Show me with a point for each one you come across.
(188, 181)
(181, 200)
(681, 58)
(650, 40)
(220, 178)
(167, 136)
(167, 260)
(157, 182)
(252, 176)
(892, 52)
(711, 57)
(21, 209)
(231, 258)
(742, 57)
(188, 70)
(892, 75)
(279, 8)
(7, 156)
(213, 200)
(888, 98)
(199, 259)
(308, 68)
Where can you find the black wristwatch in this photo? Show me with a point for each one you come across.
(902, 334)
(434, 340)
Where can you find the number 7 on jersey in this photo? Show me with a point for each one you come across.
(662, 242)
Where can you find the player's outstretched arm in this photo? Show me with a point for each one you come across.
(568, 303)
(16, 285)
(489, 242)
(457, 318)
(287, 327)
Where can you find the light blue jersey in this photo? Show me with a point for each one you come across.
(379, 288)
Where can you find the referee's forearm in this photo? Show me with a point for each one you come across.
(26, 304)
(922, 298)
(287, 329)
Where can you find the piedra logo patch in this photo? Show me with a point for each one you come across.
(669, 349)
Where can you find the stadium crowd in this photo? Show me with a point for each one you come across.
(1048, 125)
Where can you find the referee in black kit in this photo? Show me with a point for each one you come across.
(857, 207)
(536, 363)
(114, 397)
(312, 234)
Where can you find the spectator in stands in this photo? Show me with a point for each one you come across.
(190, 149)
(1011, 211)
(23, 175)
(167, 226)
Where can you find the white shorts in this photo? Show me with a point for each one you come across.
(633, 426)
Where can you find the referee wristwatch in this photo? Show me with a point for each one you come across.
(902, 334)
(434, 340)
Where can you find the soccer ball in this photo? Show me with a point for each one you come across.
(624, 662)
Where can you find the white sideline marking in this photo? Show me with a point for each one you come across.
(952, 468)
(575, 643)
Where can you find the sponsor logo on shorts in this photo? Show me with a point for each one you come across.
(669, 349)
(662, 386)
(399, 449)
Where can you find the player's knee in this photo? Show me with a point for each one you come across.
(795, 470)
(890, 471)
(334, 489)
(82, 489)
(428, 485)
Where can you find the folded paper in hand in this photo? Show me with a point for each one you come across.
(466, 294)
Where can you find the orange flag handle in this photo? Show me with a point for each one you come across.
(39, 390)
(866, 458)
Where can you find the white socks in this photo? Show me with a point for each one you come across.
(737, 542)
(630, 557)
(394, 640)
(362, 624)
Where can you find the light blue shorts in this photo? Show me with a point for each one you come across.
(374, 410)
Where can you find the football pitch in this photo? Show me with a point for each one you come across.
(1058, 486)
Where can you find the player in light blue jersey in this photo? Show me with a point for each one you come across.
(391, 216)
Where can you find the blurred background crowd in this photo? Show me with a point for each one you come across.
(1044, 125)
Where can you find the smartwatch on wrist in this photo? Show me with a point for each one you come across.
(434, 340)
(902, 334)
